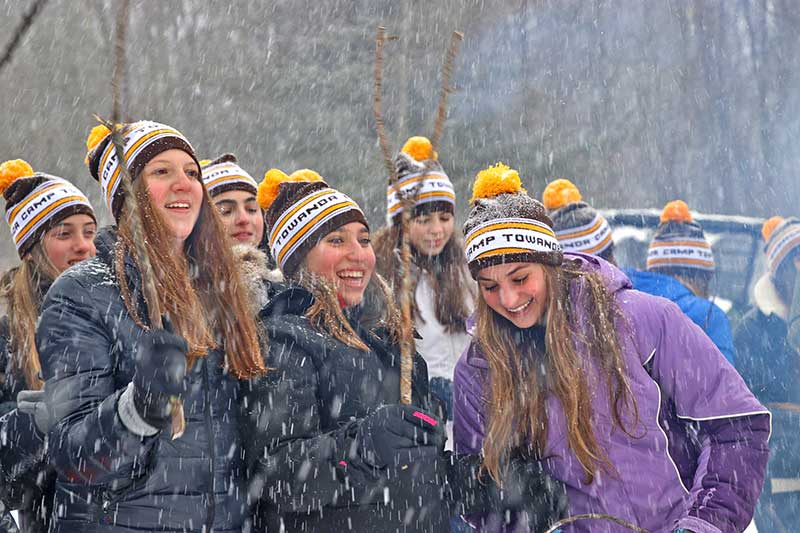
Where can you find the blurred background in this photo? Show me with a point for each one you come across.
(637, 102)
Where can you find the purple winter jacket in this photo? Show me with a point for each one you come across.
(699, 451)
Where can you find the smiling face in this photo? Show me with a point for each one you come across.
(515, 291)
(173, 183)
(70, 242)
(345, 258)
(429, 233)
(241, 216)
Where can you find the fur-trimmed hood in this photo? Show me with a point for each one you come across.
(767, 299)
(256, 276)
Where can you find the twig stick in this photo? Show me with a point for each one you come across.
(447, 71)
(594, 516)
(131, 209)
(406, 325)
(26, 22)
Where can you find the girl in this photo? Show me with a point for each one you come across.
(443, 292)
(233, 192)
(616, 392)
(770, 365)
(111, 379)
(53, 226)
(332, 448)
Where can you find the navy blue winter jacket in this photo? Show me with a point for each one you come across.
(110, 479)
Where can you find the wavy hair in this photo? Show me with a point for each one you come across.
(517, 418)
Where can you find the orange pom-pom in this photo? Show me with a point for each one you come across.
(97, 134)
(676, 211)
(305, 174)
(268, 188)
(560, 193)
(769, 226)
(420, 148)
(11, 170)
(495, 180)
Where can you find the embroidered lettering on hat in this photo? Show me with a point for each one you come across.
(226, 173)
(42, 204)
(685, 253)
(590, 238)
(509, 235)
(432, 186)
(303, 218)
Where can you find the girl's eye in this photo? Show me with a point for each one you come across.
(193, 173)
(489, 288)
(447, 217)
(365, 241)
(421, 220)
(159, 171)
(252, 210)
(335, 240)
(521, 280)
(225, 211)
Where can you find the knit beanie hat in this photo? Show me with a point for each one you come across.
(578, 226)
(37, 202)
(679, 242)
(300, 209)
(782, 236)
(506, 225)
(223, 174)
(419, 175)
(142, 141)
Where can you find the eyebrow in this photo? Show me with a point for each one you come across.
(510, 273)
(225, 202)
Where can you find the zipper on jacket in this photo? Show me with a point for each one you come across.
(211, 506)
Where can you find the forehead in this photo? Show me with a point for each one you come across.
(504, 270)
(234, 196)
(173, 155)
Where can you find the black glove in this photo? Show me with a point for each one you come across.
(32, 402)
(525, 488)
(159, 375)
(395, 434)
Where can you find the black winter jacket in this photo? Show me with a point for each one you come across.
(308, 409)
(26, 480)
(110, 479)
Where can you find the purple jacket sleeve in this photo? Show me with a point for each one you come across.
(706, 389)
(468, 427)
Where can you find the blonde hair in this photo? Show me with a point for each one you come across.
(20, 287)
(517, 417)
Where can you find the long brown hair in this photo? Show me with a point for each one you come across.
(517, 417)
(327, 316)
(453, 299)
(21, 289)
(201, 290)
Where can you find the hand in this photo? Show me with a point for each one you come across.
(32, 402)
(526, 487)
(395, 433)
(159, 375)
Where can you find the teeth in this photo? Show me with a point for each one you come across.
(179, 205)
(351, 274)
(521, 307)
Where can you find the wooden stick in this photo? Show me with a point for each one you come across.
(131, 208)
(23, 27)
(594, 516)
(447, 71)
(406, 324)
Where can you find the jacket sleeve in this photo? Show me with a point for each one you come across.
(468, 426)
(298, 466)
(756, 358)
(89, 443)
(706, 389)
(8, 401)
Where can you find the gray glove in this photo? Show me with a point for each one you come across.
(33, 403)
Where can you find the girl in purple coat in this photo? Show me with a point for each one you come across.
(616, 393)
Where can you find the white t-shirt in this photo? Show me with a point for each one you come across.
(440, 349)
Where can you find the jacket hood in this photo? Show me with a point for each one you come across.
(767, 299)
(658, 284)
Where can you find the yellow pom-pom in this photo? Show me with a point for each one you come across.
(97, 134)
(769, 226)
(205, 162)
(676, 211)
(268, 188)
(11, 170)
(305, 174)
(420, 148)
(497, 179)
(560, 193)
